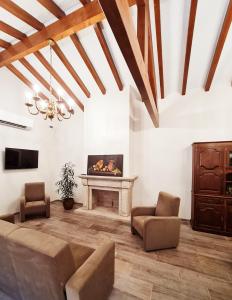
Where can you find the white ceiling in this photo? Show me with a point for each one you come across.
(174, 22)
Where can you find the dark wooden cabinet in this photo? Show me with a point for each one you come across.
(212, 187)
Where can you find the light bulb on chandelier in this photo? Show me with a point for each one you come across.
(50, 107)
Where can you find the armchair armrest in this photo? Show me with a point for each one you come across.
(161, 232)
(22, 208)
(143, 211)
(95, 278)
(47, 202)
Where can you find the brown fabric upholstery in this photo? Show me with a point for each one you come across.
(98, 271)
(34, 191)
(167, 205)
(159, 227)
(35, 201)
(8, 218)
(8, 281)
(35, 265)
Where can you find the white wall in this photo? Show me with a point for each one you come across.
(163, 156)
(12, 181)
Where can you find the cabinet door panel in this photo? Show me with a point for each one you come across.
(229, 215)
(210, 216)
(209, 170)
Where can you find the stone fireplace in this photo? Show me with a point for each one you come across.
(107, 191)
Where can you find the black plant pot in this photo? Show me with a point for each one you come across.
(68, 203)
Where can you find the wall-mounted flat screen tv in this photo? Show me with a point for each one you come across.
(21, 159)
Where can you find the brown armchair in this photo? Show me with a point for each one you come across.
(35, 202)
(158, 226)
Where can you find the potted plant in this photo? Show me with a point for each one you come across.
(66, 185)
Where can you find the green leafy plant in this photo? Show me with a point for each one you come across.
(67, 183)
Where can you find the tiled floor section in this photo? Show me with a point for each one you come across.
(200, 268)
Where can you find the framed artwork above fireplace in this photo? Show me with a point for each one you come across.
(105, 165)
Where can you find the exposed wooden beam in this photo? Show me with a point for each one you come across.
(20, 76)
(220, 44)
(4, 44)
(118, 15)
(51, 6)
(108, 55)
(77, 20)
(70, 68)
(159, 45)
(142, 28)
(88, 62)
(12, 31)
(106, 50)
(21, 14)
(70, 24)
(151, 62)
(191, 24)
(57, 77)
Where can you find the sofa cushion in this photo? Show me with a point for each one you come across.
(43, 263)
(8, 282)
(80, 253)
(138, 223)
(167, 205)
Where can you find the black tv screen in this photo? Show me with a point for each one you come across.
(20, 159)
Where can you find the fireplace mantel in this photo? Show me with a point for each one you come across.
(123, 185)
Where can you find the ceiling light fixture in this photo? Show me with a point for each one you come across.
(52, 107)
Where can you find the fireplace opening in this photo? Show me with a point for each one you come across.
(105, 200)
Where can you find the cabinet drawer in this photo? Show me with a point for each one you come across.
(209, 200)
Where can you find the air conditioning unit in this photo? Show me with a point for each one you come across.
(13, 120)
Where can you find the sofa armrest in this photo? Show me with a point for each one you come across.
(95, 278)
(161, 232)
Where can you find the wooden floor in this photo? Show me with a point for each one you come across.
(200, 268)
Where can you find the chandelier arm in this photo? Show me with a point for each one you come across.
(68, 117)
(32, 113)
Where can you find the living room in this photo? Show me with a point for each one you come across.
(147, 146)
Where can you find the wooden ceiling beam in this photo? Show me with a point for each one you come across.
(57, 77)
(220, 44)
(21, 77)
(70, 68)
(121, 23)
(108, 55)
(159, 45)
(12, 31)
(106, 50)
(84, 56)
(151, 61)
(4, 44)
(81, 18)
(142, 28)
(21, 14)
(77, 20)
(191, 24)
(51, 6)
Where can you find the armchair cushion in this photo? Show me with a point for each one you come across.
(167, 205)
(35, 191)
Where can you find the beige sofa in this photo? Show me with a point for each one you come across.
(35, 265)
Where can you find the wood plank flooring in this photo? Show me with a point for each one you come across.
(199, 269)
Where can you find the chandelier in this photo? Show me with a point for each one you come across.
(52, 107)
